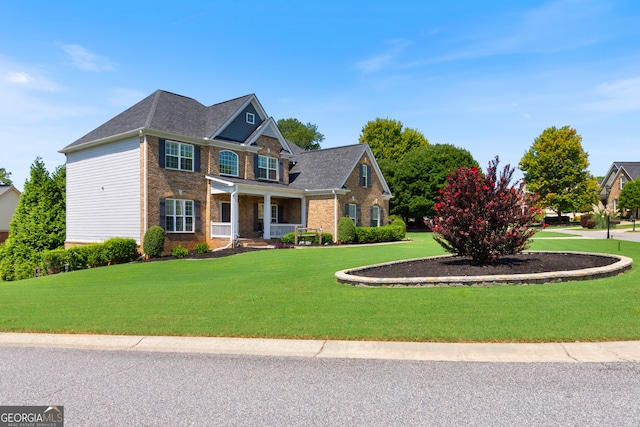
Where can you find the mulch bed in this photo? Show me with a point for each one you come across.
(208, 255)
(527, 263)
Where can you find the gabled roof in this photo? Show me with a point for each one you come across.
(632, 169)
(169, 113)
(6, 188)
(329, 168)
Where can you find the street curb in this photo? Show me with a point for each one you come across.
(596, 352)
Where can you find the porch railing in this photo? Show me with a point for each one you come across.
(220, 229)
(279, 230)
(223, 229)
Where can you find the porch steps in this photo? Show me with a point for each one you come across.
(256, 243)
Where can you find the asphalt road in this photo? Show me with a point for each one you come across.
(118, 388)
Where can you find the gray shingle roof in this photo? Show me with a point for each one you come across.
(167, 112)
(632, 168)
(324, 169)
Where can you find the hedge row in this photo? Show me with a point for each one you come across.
(348, 233)
(290, 238)
(113, 251)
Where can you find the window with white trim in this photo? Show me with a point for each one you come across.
(179, 216)
(353, 213)
(375, 216)
(268, 168)
(178, 156)
(251, 118)
(364, 176)
(274, 212)
(623, 181)
(228, 163)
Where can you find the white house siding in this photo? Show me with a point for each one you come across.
(8, 201)
(103, 192)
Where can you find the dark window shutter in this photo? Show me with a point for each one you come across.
(196, 212)
(161, 153)
(346, 209)
(281, 178)
(196, 158)
(358, 215)
(256, 221)
(371, 217)
(280, 214)
(361, 176)
(381, 213)
(368, 176)
(255, 169)
(163, 220)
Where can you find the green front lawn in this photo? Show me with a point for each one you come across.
(293, 294)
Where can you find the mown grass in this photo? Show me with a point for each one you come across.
(293, 294)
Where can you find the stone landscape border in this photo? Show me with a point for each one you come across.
(350, 276)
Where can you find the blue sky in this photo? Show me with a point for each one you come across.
(484, 76)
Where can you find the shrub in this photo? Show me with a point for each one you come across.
(118, 250)
(95, 255)
(289, 238)
(346, 230)
(153, 244)
(482, 216)
(202, 248)
(399, 228)
(327, 238)
(77, 257)
(584, 220)
(179, 252)
(54, 261)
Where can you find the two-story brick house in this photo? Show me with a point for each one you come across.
(206, 174)
(614, 181)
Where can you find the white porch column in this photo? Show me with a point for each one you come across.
(266, 220)
(303, 211)
(235, 227)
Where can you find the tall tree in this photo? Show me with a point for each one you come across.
(630, 197)
(388, 139)
(556, 169)
(421, 174)
(304, 136)
(4, 177)
(38, 223)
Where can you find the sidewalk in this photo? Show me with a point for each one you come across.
(599, 352)
(614, 233)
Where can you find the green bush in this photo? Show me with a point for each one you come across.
(399, 229)
(346, 230)
(153, 244)
(95, 255)
(202, 248)
(118, 250)
(179, 252)
(54, 261)
(77, 257)
(289, 238)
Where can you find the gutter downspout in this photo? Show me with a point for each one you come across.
(335, 216)
(145, 223)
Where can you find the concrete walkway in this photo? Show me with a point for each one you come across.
(614, 233)
(599, 352)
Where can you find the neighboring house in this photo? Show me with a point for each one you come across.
(9, 198)
(206, 174)
(614, 181)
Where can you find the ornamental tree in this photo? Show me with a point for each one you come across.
(483, 216)
(630, 197)
(556, 169)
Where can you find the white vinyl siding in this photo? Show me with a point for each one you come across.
(103, 192)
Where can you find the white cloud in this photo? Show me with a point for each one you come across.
(18, 77)
(378, 62)
(83, 59)
(618, 96)
(123, 97)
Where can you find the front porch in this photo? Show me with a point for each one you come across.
(253, 210)
(276, 231)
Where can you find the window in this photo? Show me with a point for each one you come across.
(251, 118)
(178, 156)
(225, 212)
(267, 168)
(364, 176)
(228, 163)
(375, 216)
(274, 213)
(623, 181)
(179, 217)
(352, 212)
